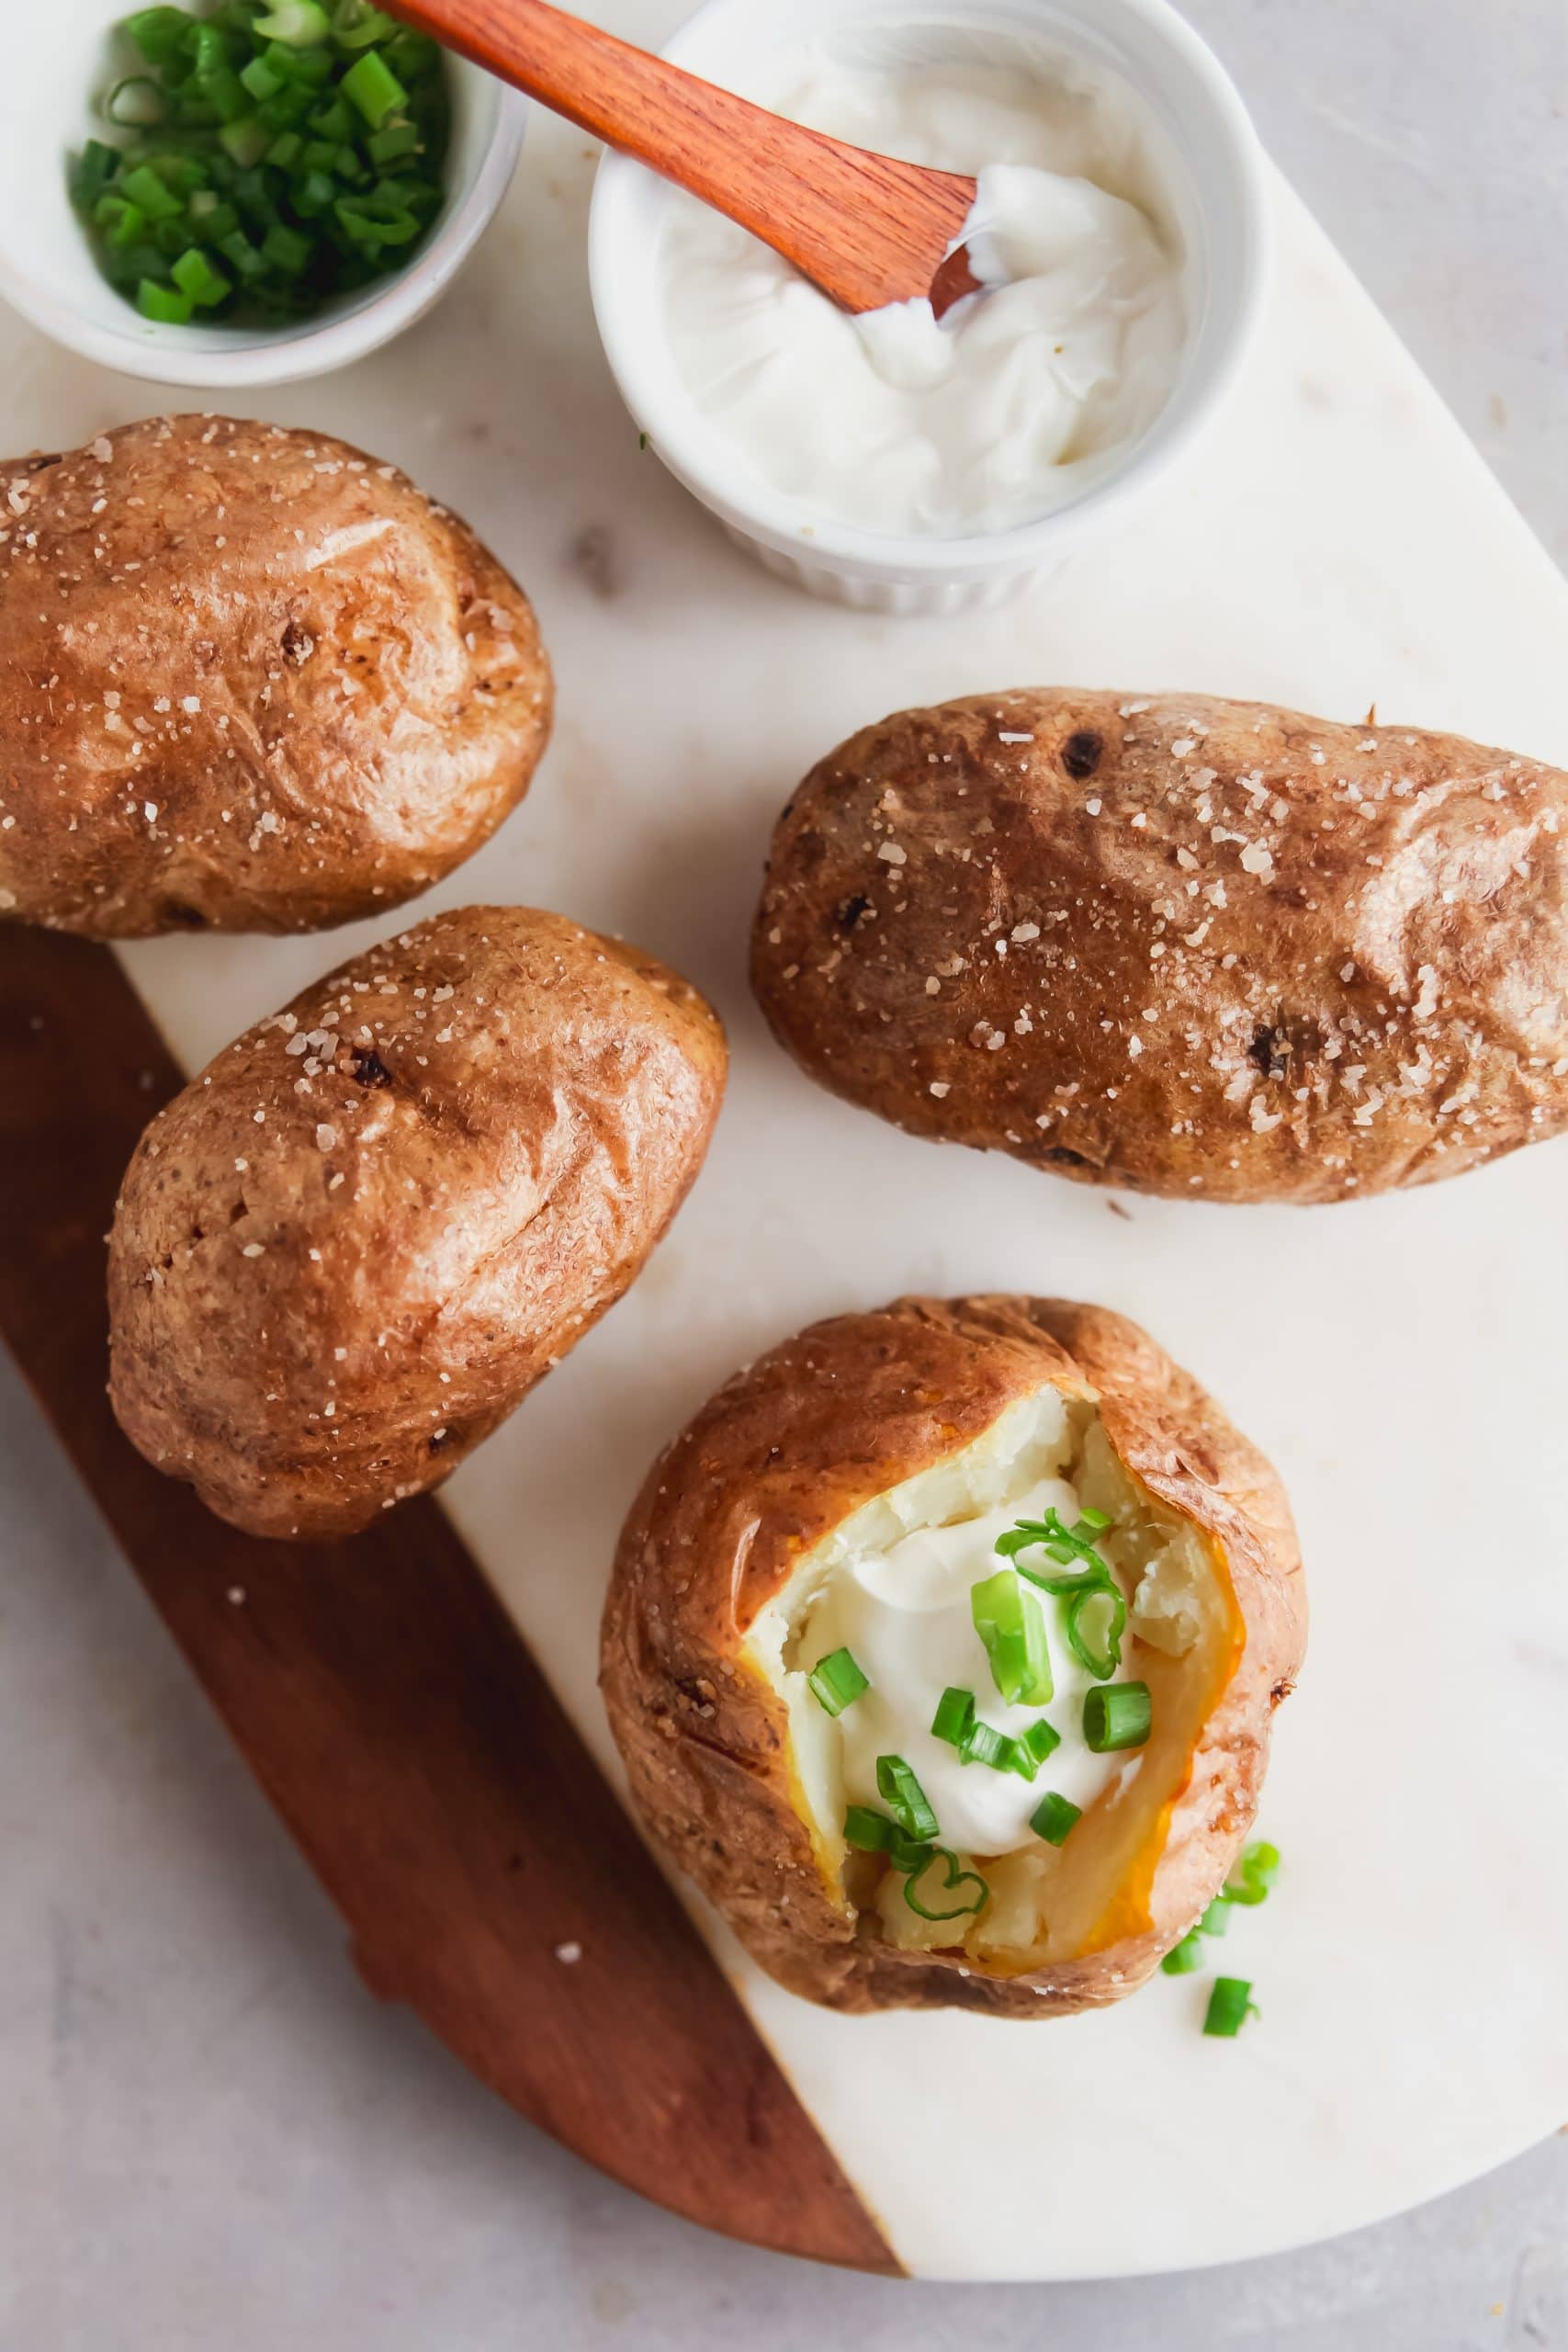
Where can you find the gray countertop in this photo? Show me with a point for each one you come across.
(210, 2135)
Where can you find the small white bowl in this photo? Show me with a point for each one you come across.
(1213, 167)
(58, 56)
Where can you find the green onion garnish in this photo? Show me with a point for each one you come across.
(1216, 1920)
(1096, 1620)
(1184, 1956)
(1042, 1739)
(1011, 1624)
(1116, 1715)
(836, 1681)
(870, 1831)
(1230, 2004)
(1053, 1818)
(985, 1745)
(904, 1797)
(1255, 1874)
(957, 1879)
(301, 144)
(954, 1713)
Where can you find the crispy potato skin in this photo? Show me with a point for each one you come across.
(1210, 949)
(770, 1466)
(250, 680)
(342, 1256)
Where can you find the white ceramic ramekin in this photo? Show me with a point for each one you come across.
(1211, 164)
(57, 59)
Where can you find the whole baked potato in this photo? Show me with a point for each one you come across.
(250, 680)
(344, 1252)
(1203, 948)
(943, 1649)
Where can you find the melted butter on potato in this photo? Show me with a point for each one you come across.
(1203, 948)
(350, 1246)
(253, 680)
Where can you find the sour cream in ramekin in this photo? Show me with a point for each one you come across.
(1021, 396)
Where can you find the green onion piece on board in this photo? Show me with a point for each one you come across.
(1185, 1957)
(1255, 1874)
(1053, 1818)
(954, 1713)
(952, 1897)
(1116, 1715)
(1011, 1624)
(836, 1681)
(904, 1797)
(1230, 2005)
(867, 1831)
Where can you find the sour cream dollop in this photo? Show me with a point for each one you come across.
(906, 1616)
(902, 423)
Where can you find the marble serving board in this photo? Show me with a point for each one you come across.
(1337, 545)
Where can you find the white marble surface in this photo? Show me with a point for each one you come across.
(206, 2126)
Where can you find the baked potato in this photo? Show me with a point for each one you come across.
(344, 1253)
(1202, 948)
(849, 1589)
(250, 680)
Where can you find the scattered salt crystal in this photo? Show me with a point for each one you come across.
(891, 855)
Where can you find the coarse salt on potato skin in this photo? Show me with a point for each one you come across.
(780, 1456)
(1211, 949)
(352, 1244)
(250, 680)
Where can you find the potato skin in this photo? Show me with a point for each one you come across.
(1210, 949)
(250, 680)
(344, 1252)
(783, 1451)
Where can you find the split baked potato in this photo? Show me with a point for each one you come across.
(1203, 948)
(351, 1245)
(250, 680)
(943, 1649)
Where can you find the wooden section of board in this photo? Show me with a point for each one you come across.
(389, 1708)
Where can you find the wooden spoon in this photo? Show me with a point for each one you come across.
(864, 228)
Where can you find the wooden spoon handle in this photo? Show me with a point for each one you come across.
(866, 228)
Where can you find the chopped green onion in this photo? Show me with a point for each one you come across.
(1097, 1619)
(135, 103)
(1230, 2005)
(867, 1831)
(92, 171)
(908, 1853)
(355, 24)
(1042, 1739)
(983, 1744)
(954, 1713)
(836, 1681)
(121, 221)
(1183, 1958)
(957, 1878)
(1011, 1624)
(904, 1797)
(1256, 1872)
(1116, 1715)
(144, 187)
(374, 88)
(246, 141)
(195, 275)
(398, 140)
(1053, 1818)
(1216, 1920)
(159, 33)
(297, 24)
(164, 303)
(262, 79)
(287, 250)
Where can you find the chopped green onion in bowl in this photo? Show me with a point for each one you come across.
(274, 156)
